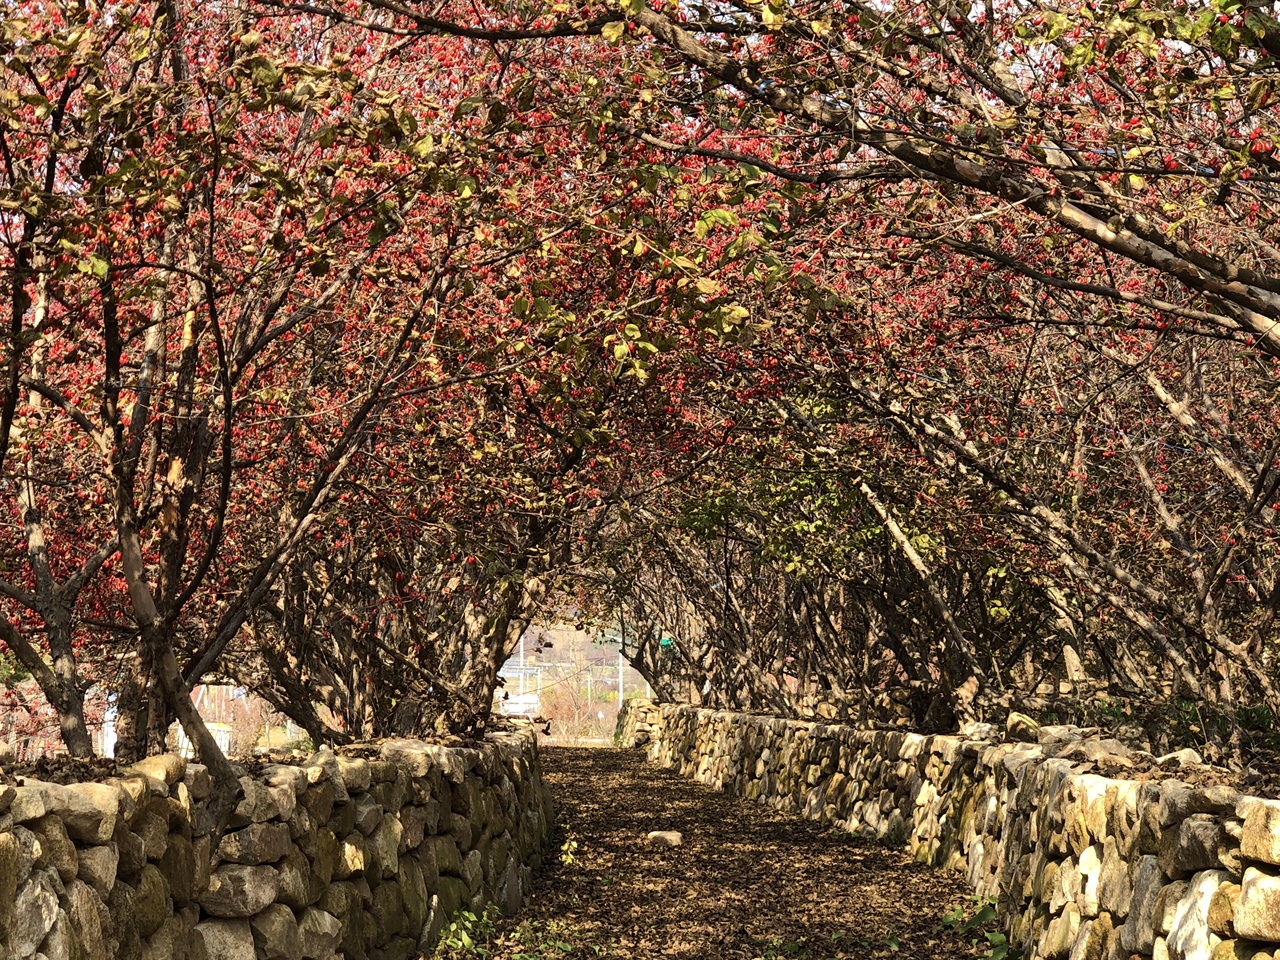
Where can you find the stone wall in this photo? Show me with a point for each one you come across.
(1082, 865)
(363, 856)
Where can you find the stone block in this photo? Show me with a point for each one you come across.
(1189, 933)
(199, 783)
(256, 843)
(320, 933)
(60, 942)
(239, 890)
(382, 847)
(368, 813)
(1139, 931)
(152, 828)
(10, 863)
(256, 805)
(355, 775)
(1257, 912)
(295, 888)
(351, 858)
(322, 767)
(34, 912)
(85, 910)
(168, 767)
(178, 866)
(223, 940)
(57, 850)
(1222, 909)
(1242, 950)
(1260, 835)
(276, 935)
(97, 867)
(1191, 846)
(152, 904)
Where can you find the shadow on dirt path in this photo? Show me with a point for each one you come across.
(747, 883)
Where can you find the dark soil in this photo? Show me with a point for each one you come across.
(747, 883)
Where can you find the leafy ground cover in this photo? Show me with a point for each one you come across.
(747, 883)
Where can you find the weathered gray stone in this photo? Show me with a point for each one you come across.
(1060, 934)
(97, 867)
(1139, 931)
(1186, 757)
(59, 943)
(1192, 847)
(413, 821)
(256, 805)
(1241, 950)
(202, 855)
(90, 812)
(461, 830)
(85, 909)
(355, 774)
(1222, 909)
(420, 759)
(665, 838)
(1260, 836)
(152, 828)
(256, 843)
(510, 889)
(34, 912)
(448, 859)
(1022, 728)
(323, 767)
(295, 889)
(1257, 913)
(414, 894)
(388, 913)
(351, 858)
(173, 941)
(11, 863)
(1189, 933)
(87, 810)
(382, 849)
(152, 905)
(240, 890)
(178, 866)
(131, 852)
(343, 821)
(276, 935)
(168, 767)
(368, 813)
(980, 731)
(1093, 939)
(320, 933)
(324, 856)
(1179, 801)
(56, 848)
(28, 804)
(199, 783)
(223, 940)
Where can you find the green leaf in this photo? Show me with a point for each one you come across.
(612, 32)
(95, 266)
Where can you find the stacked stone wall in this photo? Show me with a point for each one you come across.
(1080, 865)
(363, 856)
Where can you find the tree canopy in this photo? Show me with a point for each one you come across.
(903, 361)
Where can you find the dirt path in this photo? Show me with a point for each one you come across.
(747, 883)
